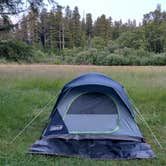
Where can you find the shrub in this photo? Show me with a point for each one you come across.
(98, 43)
(86, 57)
(58, 60)
(101, 58)
(15, 50)
(131, 39)
(115, 59)
(38, 56)
(142, 53)
(19, 51)
(68, 60)
(112, 46)
(158, 59)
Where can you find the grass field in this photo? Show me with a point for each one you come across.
(26, 89)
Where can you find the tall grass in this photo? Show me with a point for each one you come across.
(24, 91)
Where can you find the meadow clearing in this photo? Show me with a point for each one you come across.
(25, 90)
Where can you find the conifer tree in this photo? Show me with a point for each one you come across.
(33, 27)
(24, 29)
(89, 28)
(68, 28)
(76, 27)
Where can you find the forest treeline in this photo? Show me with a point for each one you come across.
(61, 36)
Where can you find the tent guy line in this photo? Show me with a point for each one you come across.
(140, 116)
(33, 119)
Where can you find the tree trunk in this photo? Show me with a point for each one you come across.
(60, 40)
(63, 36)
(89, 41)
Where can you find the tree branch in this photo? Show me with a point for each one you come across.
(14, 13)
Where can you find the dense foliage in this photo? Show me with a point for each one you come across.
(124, 56)
(15, 50)
(60, 36)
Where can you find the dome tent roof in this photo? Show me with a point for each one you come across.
(95, 78)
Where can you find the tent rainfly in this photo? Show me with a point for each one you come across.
(93, 118)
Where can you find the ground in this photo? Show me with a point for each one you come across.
(26, 90)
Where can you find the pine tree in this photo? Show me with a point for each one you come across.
(89, 28)
(116, 29)
(68, 28)
(102, 27)
(52, 32)
(59, 26)
(24, 29)
(33, 27)
(43, 27)
(76, 27)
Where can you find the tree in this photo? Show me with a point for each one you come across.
(131, 39)
(59, 26)
(33, 27)
(5, 29)
(156, 16)
(68, 28)
(89, 28)
(116, 29)
(76, 27)
(15, 7)
(52, 31)
(5, 24)
(155, 37)
(102, 28)
(154, 24)
(24, 29)
(43, 27)
(98, 43)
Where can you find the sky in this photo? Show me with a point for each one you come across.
(117, 9)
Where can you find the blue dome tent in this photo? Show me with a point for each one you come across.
(93, 118)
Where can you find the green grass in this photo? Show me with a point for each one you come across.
(26, 90)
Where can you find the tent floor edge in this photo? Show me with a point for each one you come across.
(94, 149)
(95, 136)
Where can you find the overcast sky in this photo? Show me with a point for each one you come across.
(117, 9)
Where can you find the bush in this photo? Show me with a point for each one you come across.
(142, 53)
(112, 46)
(15, 50)
(86, 57)
(38, 56)
(131, 39)
(101, 58)
(115, 59)
(125, 56)
(68, 60)
(158, 59)
(98, 43)
(124, 51)
(19, 51)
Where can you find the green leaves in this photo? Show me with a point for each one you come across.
(15, 50)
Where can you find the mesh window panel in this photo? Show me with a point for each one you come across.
(93, 103)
